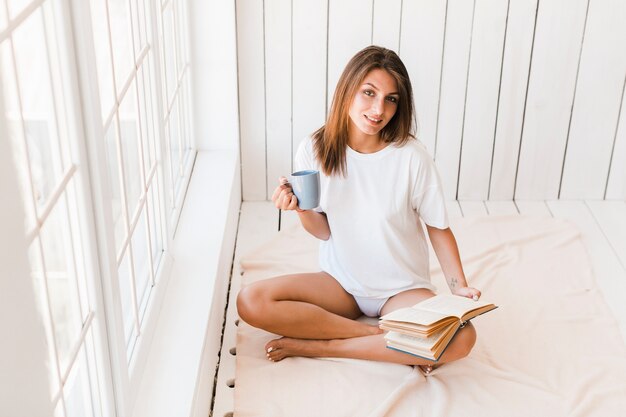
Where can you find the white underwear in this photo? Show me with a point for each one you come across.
(370, 306)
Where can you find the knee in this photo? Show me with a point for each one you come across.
(466, 340)
(251, 304)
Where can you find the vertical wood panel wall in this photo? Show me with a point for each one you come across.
(515, 99)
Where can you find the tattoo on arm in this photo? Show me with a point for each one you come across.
(452, 281)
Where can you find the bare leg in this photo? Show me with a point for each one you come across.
(372, 347)
(303, 306)
(366, 347)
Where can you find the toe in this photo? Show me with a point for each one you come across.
(272, 345)
(275, 355)
(426, 369)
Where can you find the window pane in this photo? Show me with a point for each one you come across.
(169, 53)
(122, 41)
(139, 32)
(33, 75)
(185, 118)
(181, 35)
(174, 148)
(103, 55)
(3, 17)
(146, 21)
(61, 100)
(141, 259)
(36, 267)
(80, 256)
(129, 129)
(97, 379)
(77, 391)
(182, 117)
(15, 130)
(16, 6)
(61, 277)
(145, 111)
(58, 410)
(151, 106)
(156, 231)
(124, 279)
(114, 184)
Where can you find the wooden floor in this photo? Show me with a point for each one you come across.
(602, 223)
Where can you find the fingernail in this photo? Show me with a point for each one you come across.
(475, 297)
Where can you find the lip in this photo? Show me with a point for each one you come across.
(372, 121)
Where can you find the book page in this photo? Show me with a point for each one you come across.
(448, 304)
(418, 343)
(411, 315)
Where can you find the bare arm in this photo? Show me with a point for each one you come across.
(313, 222)
(447, 252)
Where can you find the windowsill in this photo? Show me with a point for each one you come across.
(178, 377)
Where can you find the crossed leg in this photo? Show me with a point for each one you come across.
(317, 316)
(303, 306)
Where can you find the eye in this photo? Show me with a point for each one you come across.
(392, 99)
(369, 93)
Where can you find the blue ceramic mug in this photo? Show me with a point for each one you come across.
(306, 187)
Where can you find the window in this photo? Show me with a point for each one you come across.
(137, 150)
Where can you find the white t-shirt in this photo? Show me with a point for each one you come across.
(377, 247)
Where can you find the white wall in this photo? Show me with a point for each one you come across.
(515, 99)
(214, 74)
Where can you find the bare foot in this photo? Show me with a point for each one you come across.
(279, 349)
(377, 330)
(427, 369)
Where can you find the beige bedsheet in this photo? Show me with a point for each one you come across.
(551, 349)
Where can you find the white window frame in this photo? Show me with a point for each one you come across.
(127, 383)
(92, 337)
(119, 379)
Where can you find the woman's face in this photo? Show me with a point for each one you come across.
(374, 104)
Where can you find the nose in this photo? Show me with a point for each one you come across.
(378, 105)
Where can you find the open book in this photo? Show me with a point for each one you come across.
(427, 328)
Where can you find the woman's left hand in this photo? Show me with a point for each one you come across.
(468, 292)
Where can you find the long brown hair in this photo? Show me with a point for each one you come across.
(330, 141)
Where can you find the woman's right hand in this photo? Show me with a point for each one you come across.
(283, 196)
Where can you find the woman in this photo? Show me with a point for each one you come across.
(377, 182)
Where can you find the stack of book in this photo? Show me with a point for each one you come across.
(426, 329)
